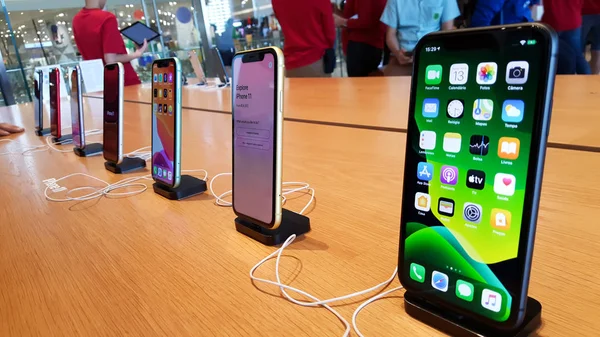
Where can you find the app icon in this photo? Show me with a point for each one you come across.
(455, 108)
(464, 290)
(165, 108)
(449, 175)
(170, 93)
(472, 212)
(417, 272)
(427, 141)
(479, 144)
(431, 107)
(159, 172)
(504, 184)
(170, 175)
(508, 148)
(170, 110)
(475, 179)
(160, 77)
(160, 108)
(155, 92)
(165, 78)
(517, 72)
(155, 107)
(164, 173)
(155, 77)
(170, 77)
(483, 109)
(422, 202)
(439, 281)
(446, 206)
(165, 93)
(500, 219)
(513, 110)
(487, 73)
(425, 171)
(433, 74)
(452, 142)
(491, 300)
(155, 170)
(459, 72)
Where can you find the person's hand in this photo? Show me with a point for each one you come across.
(339, 21)
(403, 57)
(7, 129)
(142, 49)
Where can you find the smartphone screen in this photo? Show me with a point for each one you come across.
(55, 126)
(37, 102)
(112, 113)
(477, 130)
(76, 113)
(165, 121)
(254, 137)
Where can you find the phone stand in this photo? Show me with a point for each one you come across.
(128, 164)
(88, 150)
(188, 187)
(63, 138)
(291, 223)
(43, 132)
(455, 324)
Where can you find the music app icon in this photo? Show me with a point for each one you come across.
(491, 300)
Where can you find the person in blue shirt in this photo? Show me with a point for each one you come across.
(501, 12)
(408, 21)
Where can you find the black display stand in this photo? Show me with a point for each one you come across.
(188, 187)
(89, 150)
(457, 325)
(63, 138)
(43, 132)
(127, 165)
(291, 223)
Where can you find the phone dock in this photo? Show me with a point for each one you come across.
(188, 187)
(456, 324)
(291, 223)
(127, 165)
(89, 150)
(43, 132)
(62, 139)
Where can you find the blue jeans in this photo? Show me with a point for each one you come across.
(590, 31)
(573, 39)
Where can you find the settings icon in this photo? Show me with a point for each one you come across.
(472, 212)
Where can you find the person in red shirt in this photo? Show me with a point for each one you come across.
(590, 31)
(309, 30)
(366, 35)
(97, 36)
(565, 17)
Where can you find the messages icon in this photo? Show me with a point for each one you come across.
(513, 110)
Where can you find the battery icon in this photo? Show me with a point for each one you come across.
(531, 42)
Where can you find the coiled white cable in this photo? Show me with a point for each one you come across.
(367, 302)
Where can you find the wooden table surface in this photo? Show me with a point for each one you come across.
(147, 266)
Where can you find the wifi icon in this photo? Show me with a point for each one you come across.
(523, 42)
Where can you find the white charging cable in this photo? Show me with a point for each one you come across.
(367, 302)
(49, 144)
(144, 153)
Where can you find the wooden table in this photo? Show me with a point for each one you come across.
(146, 266)
(381, 103)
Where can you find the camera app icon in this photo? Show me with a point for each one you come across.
(517, 72)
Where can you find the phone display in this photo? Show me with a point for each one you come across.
(55, 125)
(257, 124)
(77, 128)
(113, 110)
(478, 124)
(38, 102)
(166, 121)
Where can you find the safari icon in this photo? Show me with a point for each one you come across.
(464, 290)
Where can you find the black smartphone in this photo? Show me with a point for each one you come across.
(478, 124)
(38, 99)
(55, 123)
(257, 135)
(113, 112)
(77, 126)
(221, 71)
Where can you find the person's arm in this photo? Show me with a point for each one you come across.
(367, 16)
(449, 13)
(485, 12)
(390, 19)
(328, 23)
(8, 129)
(113, 45)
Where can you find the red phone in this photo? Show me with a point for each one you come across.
(55, 126)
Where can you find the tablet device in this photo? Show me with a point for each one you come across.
(138, 32)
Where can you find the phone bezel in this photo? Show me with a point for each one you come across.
(118, 67)
(535, 170)
(162, 63)
(77, 71)
(38, 80)
(56, 127)
(252, 56)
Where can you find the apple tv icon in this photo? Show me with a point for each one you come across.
(475, 179)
